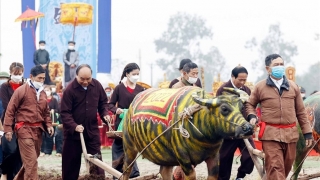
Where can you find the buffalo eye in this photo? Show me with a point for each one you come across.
(224, 110)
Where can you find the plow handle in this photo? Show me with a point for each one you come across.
(254, 153)
(97, 162)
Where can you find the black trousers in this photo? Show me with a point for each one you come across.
(12, 162)
(117, 152)
(47, 143)
(71, 157)
(227, 151)
(47, 79)
(58, 140)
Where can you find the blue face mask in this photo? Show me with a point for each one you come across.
(108, 94)
(2, 81)
(277, 72)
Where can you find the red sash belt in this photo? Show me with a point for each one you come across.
(262, 126)
(20, 124)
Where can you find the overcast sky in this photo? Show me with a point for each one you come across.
(136, 24)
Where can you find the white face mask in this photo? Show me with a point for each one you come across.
(16, 78)
(37, 84)
(71, 47)
(303, 95)
(42, 47)
(192, 80)
(134, 78)
(48, 93)
(53, 90)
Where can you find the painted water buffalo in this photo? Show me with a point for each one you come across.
(185, 142)
(312, 105)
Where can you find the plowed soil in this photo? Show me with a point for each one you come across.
(50, 168)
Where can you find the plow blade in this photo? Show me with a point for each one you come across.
(106, 167)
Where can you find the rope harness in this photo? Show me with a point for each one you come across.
(186, 114)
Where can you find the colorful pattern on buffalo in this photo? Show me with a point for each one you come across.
(312, 105)
(158, 105)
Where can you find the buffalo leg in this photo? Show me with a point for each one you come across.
(213, 167)
(166, 172)
(129, 155)
(189, 171)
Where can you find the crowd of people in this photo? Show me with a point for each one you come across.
(31, 108)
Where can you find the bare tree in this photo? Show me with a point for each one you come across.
(183, 39)
(272, 43)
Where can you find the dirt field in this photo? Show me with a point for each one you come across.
(50, 166)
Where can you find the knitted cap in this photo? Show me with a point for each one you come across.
(4, 75)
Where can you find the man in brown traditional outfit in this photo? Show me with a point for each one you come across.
(238, 79)
(182, 63)
(281, 107)
(79, 105)
(29, 107)
(190, 76)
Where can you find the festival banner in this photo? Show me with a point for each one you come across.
(57, 35)
(27, 40)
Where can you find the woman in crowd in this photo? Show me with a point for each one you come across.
(47, 140)
(11, 155)
(58, 133)
(123, 95)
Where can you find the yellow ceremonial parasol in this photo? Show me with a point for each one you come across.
(112, 85)
(76, 14)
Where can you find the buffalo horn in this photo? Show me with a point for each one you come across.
(205, 102)
(242, 94)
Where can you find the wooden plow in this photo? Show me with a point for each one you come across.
(255, 154)
(105, 166)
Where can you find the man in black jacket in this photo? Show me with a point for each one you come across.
(41, 57)
(238, 78)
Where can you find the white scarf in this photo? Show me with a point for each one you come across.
(37, 91)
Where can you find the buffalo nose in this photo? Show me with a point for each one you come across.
(247, 129)
(244, 130)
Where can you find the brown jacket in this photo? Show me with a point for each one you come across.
(279, 107)
(25, 106)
